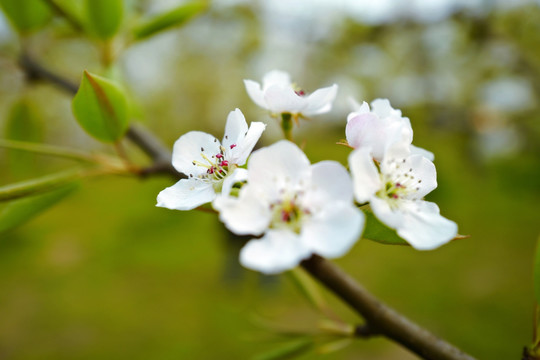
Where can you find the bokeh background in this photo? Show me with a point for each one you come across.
(105, 274)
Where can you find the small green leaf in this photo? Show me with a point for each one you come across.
(537, 273)
(377, 231)
(100, 107)
(287, 351)
(308, 288)
(104, 17)
(168, 19)
(26, 15)
(39, 185)
(17, 212)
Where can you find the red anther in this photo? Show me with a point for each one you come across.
(210, 170)
(399, 185)
(285, 216)
(219, 156)
(221, 171)
(224, 163)
(233, 146)
(300, 93)
(395, 196)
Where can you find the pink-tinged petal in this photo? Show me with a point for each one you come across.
(248, 143)
(361, 128)
(283, 100)
(277, 251)
(366, 178)
(393, 217)
(255, 93)
(191, 147)
(239, 175)
(279, 167)
(382, 108)
(276, 77)
(415, 150)
(330, 182)
(186, 194)
(320, 101)
(247, 214)
(334, 230)
(424, 228)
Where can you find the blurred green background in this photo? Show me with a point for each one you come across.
(105, 274)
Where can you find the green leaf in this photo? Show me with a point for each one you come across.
(377, 231)
(100, 107)
(104, 17)
(537, 273)
(168, 19)
(287, 351)
(26, 15)
(39, 185)
(22, 124)
(17, 212)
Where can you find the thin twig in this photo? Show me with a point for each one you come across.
(145, 140)
(379, 317)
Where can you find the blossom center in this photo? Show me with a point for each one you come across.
(399, 183)
(287, 213)
(217, 167)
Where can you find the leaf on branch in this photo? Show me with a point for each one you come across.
(104, 17)
(26, 15)
(100, 107)
(377, 231)
(169, 19)
(19, 211)
(39, 185)
(287, 351)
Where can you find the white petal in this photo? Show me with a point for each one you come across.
(424, 171)
(366, 178)
(283, 100)
(186, 194)
(382, 108)
(190, 147)
(255, 93)
(281, 166)
(424, 228)
(391, 217)
(357, 107)
(415, 150)
(245, 215)
(235, 129)
(330, 182)
(276, 77)
(245, 147)
(320, 101)
(334, 230)
(239, 175)
(277, 251)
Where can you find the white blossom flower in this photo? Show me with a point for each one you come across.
(279, 95)
(300, 208)
(208, 164)
(395, 191)
(379, 127)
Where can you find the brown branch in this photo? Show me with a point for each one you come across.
(145, 140)
(380, 318)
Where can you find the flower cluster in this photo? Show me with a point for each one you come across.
(296, 209)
